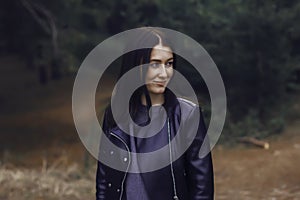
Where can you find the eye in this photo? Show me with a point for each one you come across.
(155, 65)
(169, 64)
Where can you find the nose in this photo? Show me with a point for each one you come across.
(163, 71)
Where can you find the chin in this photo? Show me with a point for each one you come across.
(158, 91)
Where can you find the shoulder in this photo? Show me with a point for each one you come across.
(187, 102)
(187, 106)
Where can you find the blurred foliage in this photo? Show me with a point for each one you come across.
(255, 44)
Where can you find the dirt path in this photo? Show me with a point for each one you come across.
(251, 173)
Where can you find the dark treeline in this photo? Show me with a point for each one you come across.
(255, 44)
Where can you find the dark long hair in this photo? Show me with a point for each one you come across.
(150, 37)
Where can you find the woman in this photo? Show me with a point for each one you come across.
(187, 178)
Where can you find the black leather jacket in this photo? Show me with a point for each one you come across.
(191, 177)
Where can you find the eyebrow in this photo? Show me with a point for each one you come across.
(158, 60)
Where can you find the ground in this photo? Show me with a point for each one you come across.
(42, 158)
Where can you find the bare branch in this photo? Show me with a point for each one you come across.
(255, 142)
(54, 32)
(48, 24)
(35, 16)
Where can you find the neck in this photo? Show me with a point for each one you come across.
(156, 99)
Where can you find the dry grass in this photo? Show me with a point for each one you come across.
(51, 183)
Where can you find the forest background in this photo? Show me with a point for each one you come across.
(255, 44)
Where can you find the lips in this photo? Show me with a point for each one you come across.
(160, 83)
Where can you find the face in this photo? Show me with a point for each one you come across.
(160, 70)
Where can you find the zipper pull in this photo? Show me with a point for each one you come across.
(175, 197)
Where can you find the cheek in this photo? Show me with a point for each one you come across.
(150, 74)
(170, 72)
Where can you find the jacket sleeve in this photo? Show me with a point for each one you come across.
(100, 182)
(199, 170)
(101, 177)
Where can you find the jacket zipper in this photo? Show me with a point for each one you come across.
(129, 161)
(175, 197)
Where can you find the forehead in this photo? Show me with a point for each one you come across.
(160, 52)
